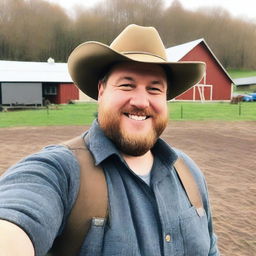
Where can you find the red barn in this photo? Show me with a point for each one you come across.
(216, 84)
(60, 93)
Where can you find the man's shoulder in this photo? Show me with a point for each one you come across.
(52, 157)
(59, 153)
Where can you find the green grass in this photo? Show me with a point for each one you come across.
(238, 73)
(84, 114)
(76, 114)
(213, 111)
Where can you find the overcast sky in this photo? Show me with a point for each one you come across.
(238, 8)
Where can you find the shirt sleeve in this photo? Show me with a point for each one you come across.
(38, 193)
(200, 179)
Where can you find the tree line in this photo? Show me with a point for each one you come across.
(34, 30)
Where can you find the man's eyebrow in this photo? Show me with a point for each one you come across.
(158, 82)
(128, 78)
(125, 78)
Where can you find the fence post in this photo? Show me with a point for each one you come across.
(240, 108)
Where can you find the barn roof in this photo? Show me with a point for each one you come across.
(176, 53)
(24, 71)
(245, 81)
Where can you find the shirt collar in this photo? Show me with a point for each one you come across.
(164, 152)
(165, 157)
(99, 144)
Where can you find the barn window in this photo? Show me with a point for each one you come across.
(50, 90)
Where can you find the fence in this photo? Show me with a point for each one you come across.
(212, 111)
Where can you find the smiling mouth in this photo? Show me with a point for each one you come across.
(137, 117)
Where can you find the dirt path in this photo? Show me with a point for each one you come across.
(225, 151)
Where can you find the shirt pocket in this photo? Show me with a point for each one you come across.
(93, 241)
(195, 233)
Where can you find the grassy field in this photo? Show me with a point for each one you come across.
(212, 111)
(83, 114)
(76, 114)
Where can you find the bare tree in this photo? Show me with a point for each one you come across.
(36, 29)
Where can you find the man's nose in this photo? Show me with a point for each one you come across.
(139, 100)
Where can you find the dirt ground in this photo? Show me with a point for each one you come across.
(225, 151)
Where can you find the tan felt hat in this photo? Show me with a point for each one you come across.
(88, 62)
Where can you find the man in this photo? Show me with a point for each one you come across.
(149, 211)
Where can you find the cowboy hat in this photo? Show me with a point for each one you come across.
(88, 62)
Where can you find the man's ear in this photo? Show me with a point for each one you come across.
(100, 89)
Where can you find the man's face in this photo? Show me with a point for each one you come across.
(132, 106)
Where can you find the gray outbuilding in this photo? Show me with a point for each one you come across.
(246, 83)
(30, 83)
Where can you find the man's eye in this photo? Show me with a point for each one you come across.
(155, 89)
(126, 86)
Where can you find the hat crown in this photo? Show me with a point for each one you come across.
(141, 40)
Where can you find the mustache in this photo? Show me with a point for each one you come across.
(138, 111)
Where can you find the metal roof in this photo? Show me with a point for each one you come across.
(245, 81)
(24, 71)
(176, 53)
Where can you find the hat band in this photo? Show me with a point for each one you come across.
(145, 53)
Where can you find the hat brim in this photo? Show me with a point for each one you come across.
(88, 62)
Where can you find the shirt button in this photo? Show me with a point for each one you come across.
(168, 238)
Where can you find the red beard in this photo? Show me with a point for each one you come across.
(127, 142)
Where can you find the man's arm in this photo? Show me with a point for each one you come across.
(14, 241)
(36, 195)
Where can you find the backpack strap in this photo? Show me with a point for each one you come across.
(91, 202)
(190, 185)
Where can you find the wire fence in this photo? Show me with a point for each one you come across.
(212, 111)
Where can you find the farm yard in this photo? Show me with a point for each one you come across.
(225, 151)
(219, 136)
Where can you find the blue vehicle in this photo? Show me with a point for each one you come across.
(247, 98)
(253, 96)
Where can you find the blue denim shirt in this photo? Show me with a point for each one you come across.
(38, 193)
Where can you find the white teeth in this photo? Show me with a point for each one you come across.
(137, 118)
